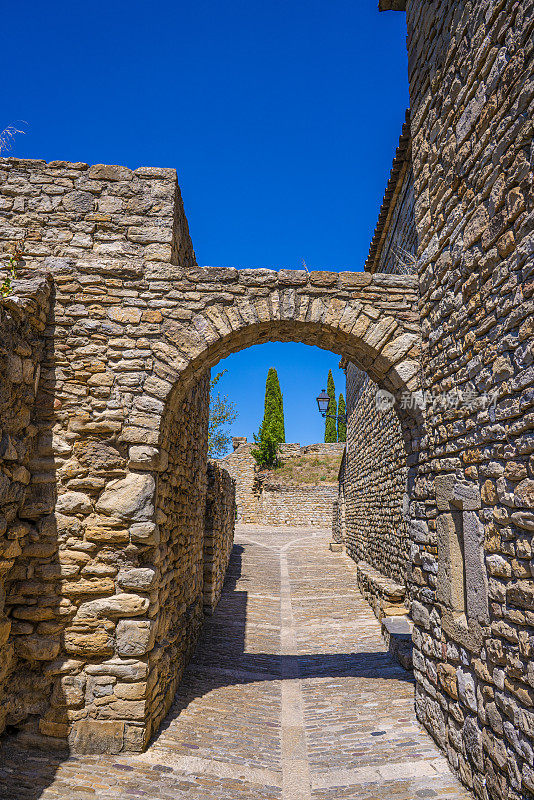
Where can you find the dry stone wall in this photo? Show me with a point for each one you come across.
(262, 499)
(374, 481)
(28, 549)
(471, 88)
(308, 506)
(218, 532)
(122, 474)
(242, 467)
(73, 209)
(371, 509)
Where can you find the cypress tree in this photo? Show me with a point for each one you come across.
(272, 429)
(330, 429)
(342, 422)
(273, 416)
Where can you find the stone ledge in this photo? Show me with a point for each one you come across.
(385, 596)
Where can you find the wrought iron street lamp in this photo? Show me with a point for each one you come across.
(323, 401)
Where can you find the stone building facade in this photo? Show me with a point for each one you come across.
(468, 508)
(263, 499)
(374, 482)
(472, 106)
(370, 512)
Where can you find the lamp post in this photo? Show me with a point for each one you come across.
(323, 401)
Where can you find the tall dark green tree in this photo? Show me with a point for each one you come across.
(330, 428)
(272, 429)
(341, 422)
(273, 415)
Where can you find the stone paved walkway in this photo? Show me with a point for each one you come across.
(291, 695)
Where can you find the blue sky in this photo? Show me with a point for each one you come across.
(302, 372)
(281, 118)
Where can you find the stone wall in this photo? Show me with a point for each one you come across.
(131, 336)
(262, 499)
(180, 514)
(28, 547)
(371, 507)
(374, 481)
(115, 507)
(218, 532)
(308, 506)
(394, 244)
(61, 208)
(242, 467)
(101, 602)
(472, 106)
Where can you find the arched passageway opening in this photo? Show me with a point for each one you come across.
(182, 477)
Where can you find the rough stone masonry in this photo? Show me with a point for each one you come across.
(117, 487)
(465, 515)
(263, 499)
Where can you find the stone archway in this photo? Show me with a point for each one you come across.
(146, 337)
(128, 376)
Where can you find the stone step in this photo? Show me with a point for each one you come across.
(397, 633)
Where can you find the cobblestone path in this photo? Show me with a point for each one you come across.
(291, 695)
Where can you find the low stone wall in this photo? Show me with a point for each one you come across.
(299, 506)
(386, 597)
(263, 500)
(28, 563)
(218, 533)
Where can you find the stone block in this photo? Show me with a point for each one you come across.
(117, 606)
(450, 578)
(521, 594)
(130, 498)
(444, 487)
(397, 632)
(466, 496)
(466, 688)
(73, 503)
(476, 581)
(448, 680)
(109, 172)
(124, 669)
(144, 457)
(82, 588)
(88, 641)
(140, 578)
(146, 533)
(97, 737)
